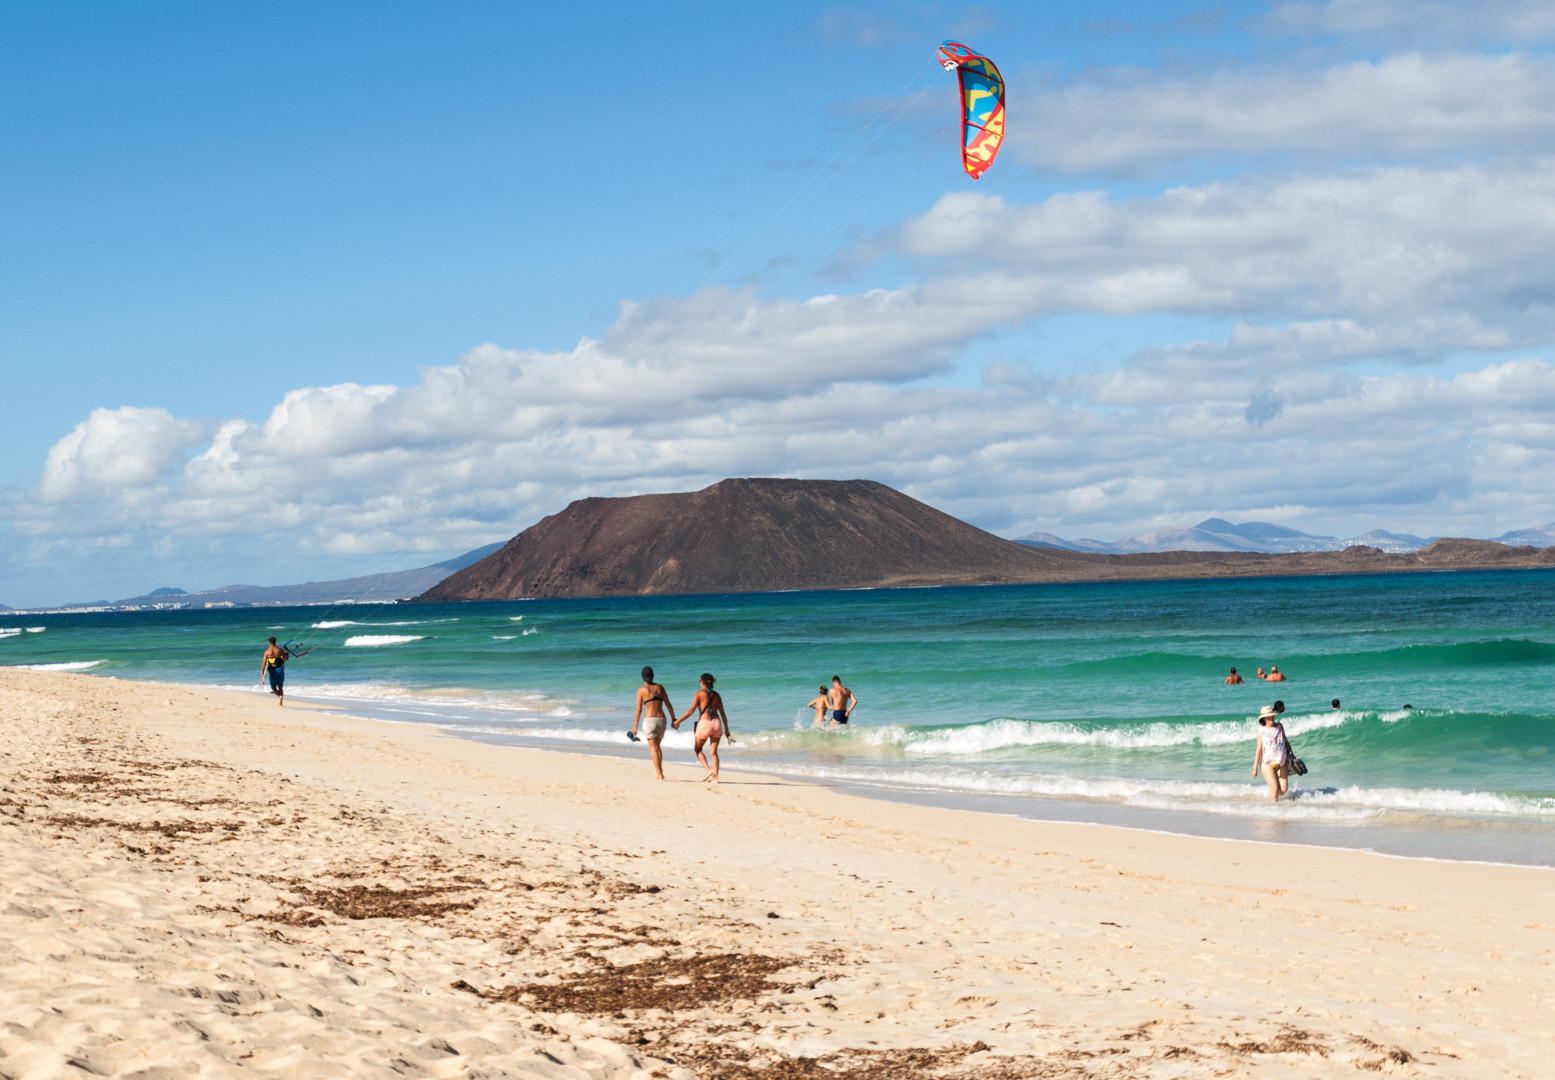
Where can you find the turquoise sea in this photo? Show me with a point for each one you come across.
(1100, 703)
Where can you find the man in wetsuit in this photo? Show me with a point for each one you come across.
(842, 701)
(274, 665)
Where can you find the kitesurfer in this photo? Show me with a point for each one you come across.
(274, 665)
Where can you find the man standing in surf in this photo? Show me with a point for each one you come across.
(842, 702)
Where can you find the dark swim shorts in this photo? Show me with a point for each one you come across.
(277, 678)
(839, 717)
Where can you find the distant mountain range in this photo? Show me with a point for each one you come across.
(1216, 534)
(370, 588)
(791, 539)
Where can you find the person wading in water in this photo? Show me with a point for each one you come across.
(842, 702)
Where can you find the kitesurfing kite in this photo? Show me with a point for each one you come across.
(982, 105)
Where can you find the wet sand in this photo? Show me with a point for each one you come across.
(197, 883)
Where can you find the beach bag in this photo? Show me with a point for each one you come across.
(1297, 767)
(1294, 765)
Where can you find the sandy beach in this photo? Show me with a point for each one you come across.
(197, 883)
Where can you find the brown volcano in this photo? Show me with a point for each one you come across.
(758, 535)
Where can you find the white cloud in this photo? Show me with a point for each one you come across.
(116, 451)
(1408, 107)
(1384, 262)
(464, 466)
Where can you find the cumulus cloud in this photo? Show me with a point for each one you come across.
(1408, 107)
(1397, 262)
(116, 452)
(484, 446)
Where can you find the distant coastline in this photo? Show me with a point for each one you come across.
(830, 534)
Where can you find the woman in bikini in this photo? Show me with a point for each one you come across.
(653, 699)
(1272, 753)
(712, 725)
(819, 704)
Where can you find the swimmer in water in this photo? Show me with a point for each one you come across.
(1234, 679)
(819, 703)
(1274, 675)
(842, 702)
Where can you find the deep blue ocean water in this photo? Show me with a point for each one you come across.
(1099, 702)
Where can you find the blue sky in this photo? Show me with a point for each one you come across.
(205, 202)
(300, 289)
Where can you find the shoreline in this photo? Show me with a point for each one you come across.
(1535, 847)
(1440, 836)
(1520, 841)
(857, 933)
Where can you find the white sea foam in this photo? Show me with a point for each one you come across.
(1010, 734)
(366, 640)
(503, 637)
(336, 624)
(10, 631)
(526, 633)
(36, 629)
(451, 702)
(1239, 799)
(515, 618)
(73, 665)
(1336, 805)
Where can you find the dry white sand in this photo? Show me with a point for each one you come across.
(197, 883)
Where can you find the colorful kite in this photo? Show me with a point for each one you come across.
(982, 105)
